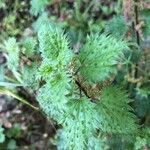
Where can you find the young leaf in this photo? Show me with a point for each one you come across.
(12, 49)
(99, 57)
(52, 97)
(115, 113)
(29, 44)
(42, 19)
(80, 123)
(117, 27)
(38, 6)
(29, 75)
(54, 44)
(56, 56)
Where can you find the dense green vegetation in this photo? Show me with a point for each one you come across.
(84, 65)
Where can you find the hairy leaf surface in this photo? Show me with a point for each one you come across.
(115, 113)
(99, 57)
(54, 44)
(80, 123)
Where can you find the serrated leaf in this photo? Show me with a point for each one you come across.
(52, 97)
(117, 27)
(54, 44)
(99, 57)
(97, 143)
(56, 56)
(29, 75)
(114, 112)
(79, 124)
(29, 44)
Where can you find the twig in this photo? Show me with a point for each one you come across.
(82, 88)
(136, 22)
(137, 33)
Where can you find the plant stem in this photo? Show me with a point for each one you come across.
(82, 88)
(136, 32)
(8, 84)
(136, 22)
(10, 93)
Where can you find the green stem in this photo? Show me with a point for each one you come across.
(88, 8)
(8, 84)
(10, 93)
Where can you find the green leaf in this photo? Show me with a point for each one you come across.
(42, 19)
(2, 4)
(117, 27)
(12, 145)
(56, 56)
(99, 57)
(54, 44)
(29, 44)
(2, 135)
(12, 49)
(97, 143)
(47, 69)
(52, 97)
(15, 131)
(145, 15)
(29, 75)
(140, 143)
(114, 112)
(38, 6)
(143, 92)
(80, 123)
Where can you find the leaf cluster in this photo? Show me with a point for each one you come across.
(59, 99)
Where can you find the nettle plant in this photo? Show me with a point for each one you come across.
(74, 89)
(77, 90)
